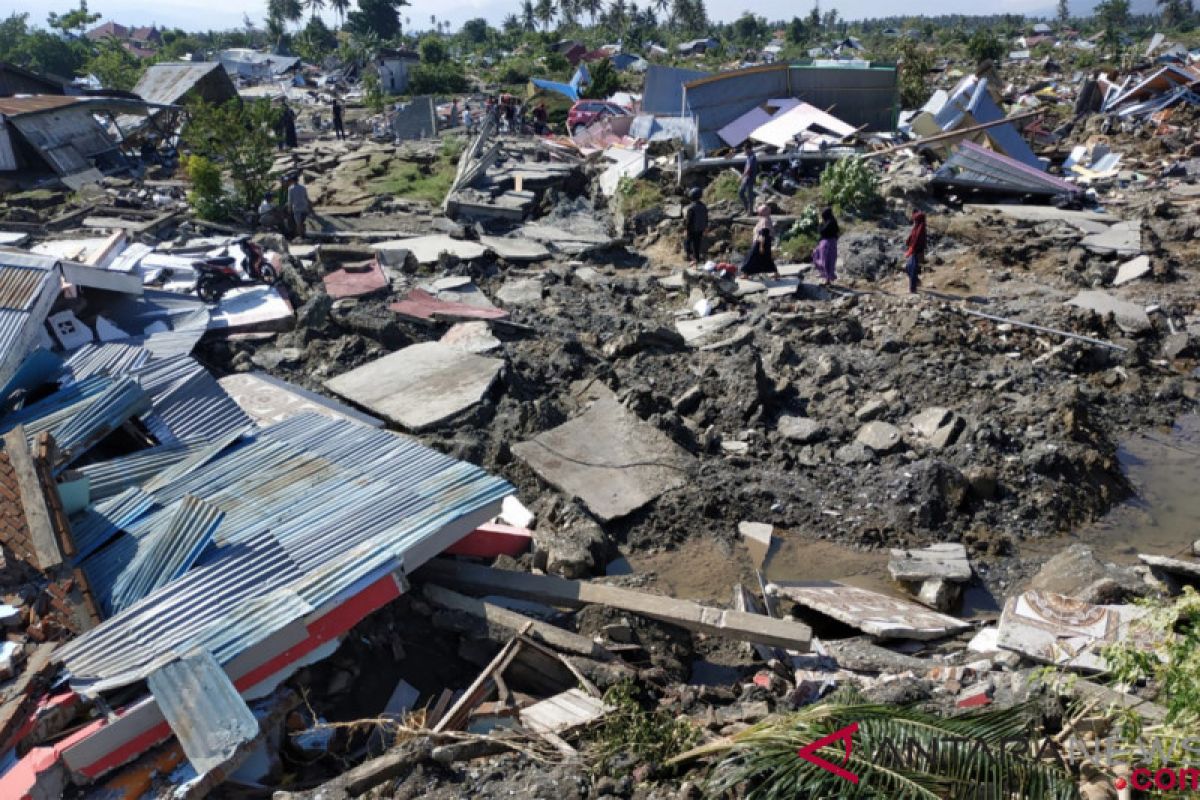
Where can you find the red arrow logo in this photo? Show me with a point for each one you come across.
(809, 752)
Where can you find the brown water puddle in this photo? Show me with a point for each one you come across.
(1164, 516)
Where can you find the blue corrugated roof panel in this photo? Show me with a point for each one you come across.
(204, 709)
(107, 412)
(312, 506)
(95, 527)
(29, 286)
(109, 478)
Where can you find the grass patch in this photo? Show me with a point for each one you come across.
(723, 187)
(636, 196)
(415, 181)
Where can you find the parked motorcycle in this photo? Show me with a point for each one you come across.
(218, 275)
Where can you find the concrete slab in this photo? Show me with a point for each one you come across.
(521, 292)
(427, 249)
(471, 337)
(13, 238)
(1132, 270)
(569, 239)
(517, 250)
(1124, 238)
(1044, 213)
(420, 386)
(1174, 566)
(947, 561)
(792, 270)
(872, 612)
(356, 281)
(421, 305)
(609, 459)
(1056, 629)
(267, 400)
(783, 287)
(1131, 317)
(696, 331)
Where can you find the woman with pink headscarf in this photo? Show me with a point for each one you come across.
(759, 259)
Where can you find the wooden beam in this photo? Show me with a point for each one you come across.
(514, 621)
(735, 625)
(456, 717)
(37, 515)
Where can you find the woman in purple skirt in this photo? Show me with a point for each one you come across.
(825, 256)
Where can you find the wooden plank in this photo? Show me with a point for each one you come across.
(479, 689)
(514, 621)
(41, 531)
(736, 625)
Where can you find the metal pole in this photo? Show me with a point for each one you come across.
(1043, 329)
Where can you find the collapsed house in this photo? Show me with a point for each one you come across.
(252, 65)
(174, 84)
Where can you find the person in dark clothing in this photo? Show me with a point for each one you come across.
(339, 127)
(540, 119)
(825, 256)
(915, 252)
(749, 176)
(759, 259)
(288, 120)
(695, 223)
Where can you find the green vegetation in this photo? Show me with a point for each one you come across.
(240, 139)
(443, 78)
(636, 196)
(985, 46)
(632, 736)
(915, 60)
(415, 181)
(723, 188)
(850, 185)
(798, 242)
(114, 66)
(971, 756)
(207, 195)
(605, 80)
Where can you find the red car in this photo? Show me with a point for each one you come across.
(585, 112)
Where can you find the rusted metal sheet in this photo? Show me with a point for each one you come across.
(16, 106)
(19, 287)
(422, 305)
(872, 612)
(364, 280)
(1056, 629)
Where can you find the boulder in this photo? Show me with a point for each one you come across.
(803, 430)
(879, 437)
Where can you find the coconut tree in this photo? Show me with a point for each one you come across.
(314, 6)
(340, 7)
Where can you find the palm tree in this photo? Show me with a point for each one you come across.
(511, 23)
(528, 18)
(544, 11)
(314, 6)
(567, 11)
(340, 7)
(616, 11)
(661, 6)
(971, 757)
(593, 7)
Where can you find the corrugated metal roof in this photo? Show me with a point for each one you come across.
(110, 358)
(977, 167)
(19, 327)
(16, 106)
(167, 83)
(167, 554)
(107, 412)
(19, 286)
(189, 404)
(109, 478)
(95, 527)
(204, 709)
(313, 506)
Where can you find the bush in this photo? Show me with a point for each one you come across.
(850, 185)
(207, 195)
(630, 735)
(240, 139)
(983, 46)
(605, 81)
(724, 187)
(636, 196)
(444, 78)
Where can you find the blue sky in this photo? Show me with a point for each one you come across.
(221, 14)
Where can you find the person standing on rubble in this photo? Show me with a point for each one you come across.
(298, 205)
(288, 122)
(915, 253)
(540, 119)
(695, 223)
(467, 121)
(339, 127)
(749, 176)
(760, 259)
(825, 256)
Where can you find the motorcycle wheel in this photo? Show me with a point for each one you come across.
(268, 274)
(209, 290)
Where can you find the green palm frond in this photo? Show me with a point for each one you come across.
(898, 753)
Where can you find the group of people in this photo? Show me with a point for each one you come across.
(505, 111)
(286, 127)
(759, 259)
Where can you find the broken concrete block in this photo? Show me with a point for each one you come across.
(871, 612)
(471, 337)
(420, 386)
(1076, 572)
(976, 696)
(696, 331)
(1172, 566)
(926, 423)
(1132, 270)
(1054, 629)
(1130, 317)
(940, 594)
(945, 561)
(608, 458)
(801, 429)
(523, 292)
(880, 437)
(1124, 238)
(948, 434)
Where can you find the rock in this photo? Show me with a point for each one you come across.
(862, 655)
(689, 401)
(983, 482)
(854, 453)
(827, 368)
(879, 437)
(572, 552)
(1132, 270)
(944, 561)
(937, 490)
(927, 422)
(1178, 345)
(315, 313)
(948, 434)
(1077, 573)
(801, 429)
(870, 410)
(273, 359)
(1196, 548)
